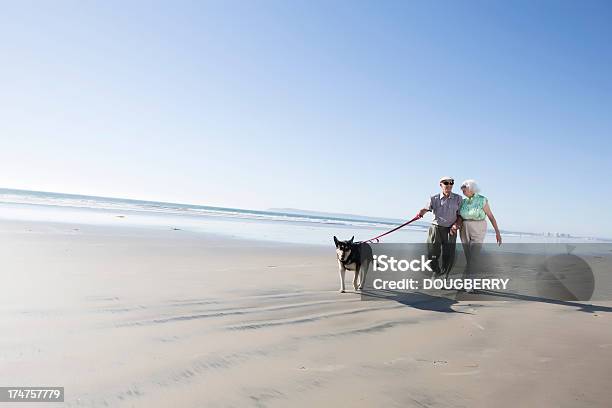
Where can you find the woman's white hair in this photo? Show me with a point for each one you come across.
(471, 185)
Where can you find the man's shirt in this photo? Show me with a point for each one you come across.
(445, 209)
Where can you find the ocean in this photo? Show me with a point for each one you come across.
(277, 225)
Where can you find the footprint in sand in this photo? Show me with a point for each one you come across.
(326, 369)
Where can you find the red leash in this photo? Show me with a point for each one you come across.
(393, 230)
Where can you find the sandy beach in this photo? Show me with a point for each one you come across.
(157, 317)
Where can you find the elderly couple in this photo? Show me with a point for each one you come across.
(453, 213)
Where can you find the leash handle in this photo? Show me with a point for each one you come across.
(376, 239)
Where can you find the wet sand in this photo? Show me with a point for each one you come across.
(154, 317)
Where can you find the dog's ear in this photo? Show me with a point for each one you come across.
(351, 241)
(335, 240)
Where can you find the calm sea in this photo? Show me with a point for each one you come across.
(240, 223)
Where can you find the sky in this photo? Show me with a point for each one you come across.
(340, 106)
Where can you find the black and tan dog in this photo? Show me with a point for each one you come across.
(353, 256)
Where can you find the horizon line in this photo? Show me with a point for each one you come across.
(292, 211)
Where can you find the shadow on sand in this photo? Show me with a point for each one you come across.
(491, 295)
(444, 304)
(416, 300)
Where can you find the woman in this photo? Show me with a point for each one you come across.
(474, 208)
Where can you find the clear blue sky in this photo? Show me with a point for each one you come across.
(345, 106)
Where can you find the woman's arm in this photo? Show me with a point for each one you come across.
(489, 213)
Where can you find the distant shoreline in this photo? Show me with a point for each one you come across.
(18, 196)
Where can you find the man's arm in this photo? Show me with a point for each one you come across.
(459, 222)
(457, 225)
(425, 209)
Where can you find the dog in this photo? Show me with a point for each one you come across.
(353, 256)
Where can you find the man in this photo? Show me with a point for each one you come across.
(443, 230)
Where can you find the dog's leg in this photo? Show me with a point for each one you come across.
(342, 270)
(362, 275)
(356, 277)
